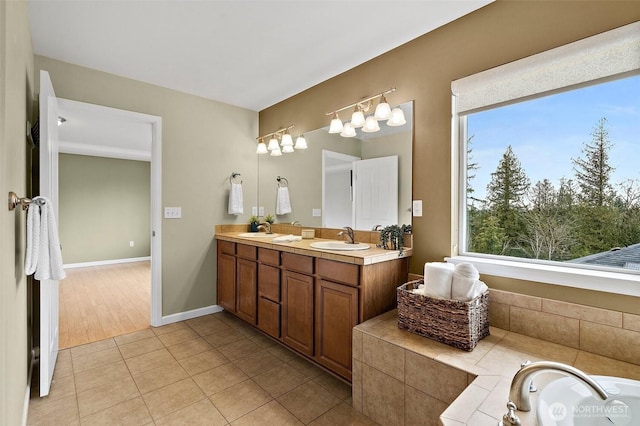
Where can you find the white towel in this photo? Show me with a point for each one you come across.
(465, 276)
(283, 203)
(235, 199)
(43, 245)
(437, 279)
(287, 238)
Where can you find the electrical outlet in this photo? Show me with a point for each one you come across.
(261, 211)
(173, 212)
(130, 243)
(254, 211)
(316, 212)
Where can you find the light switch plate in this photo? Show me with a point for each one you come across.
(173, 212)
(316, 212)
(254, 211)
(417, 208)
(261, 211)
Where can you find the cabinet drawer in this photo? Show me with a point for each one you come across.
(298, 263)
(269, 282)
(270, 257)
(246, 252)
(346, 273)
(269, 317)
(227, 247)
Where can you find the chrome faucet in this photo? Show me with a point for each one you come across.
(295, 222)
(376, 228)
(351, 239)
(519, 391)
(266, 226)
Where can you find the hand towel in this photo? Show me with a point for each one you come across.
(235, 199)
(44, 256)
(464, 278)
(437, 279)
(283, 202)
(287, 238)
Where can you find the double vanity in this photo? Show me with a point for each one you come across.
(308, 294)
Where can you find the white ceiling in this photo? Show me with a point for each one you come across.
(251, 54)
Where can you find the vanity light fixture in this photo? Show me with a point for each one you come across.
(286, 142)
(382, 112)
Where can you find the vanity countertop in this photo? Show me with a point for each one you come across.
(491, 366)
(359, 257)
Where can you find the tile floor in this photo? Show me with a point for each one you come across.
(211, 370)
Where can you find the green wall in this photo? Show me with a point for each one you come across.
(104, 204)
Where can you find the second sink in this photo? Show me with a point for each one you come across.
(339, 245)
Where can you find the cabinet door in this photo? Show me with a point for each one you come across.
(247, 290)
(297, 311)
(336, 315)
(269, 317)
(226, 290)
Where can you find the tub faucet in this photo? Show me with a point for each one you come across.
(351, 239)
(266, 226)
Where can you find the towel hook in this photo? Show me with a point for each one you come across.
(15, 201)
(233, 176)
(282, 184)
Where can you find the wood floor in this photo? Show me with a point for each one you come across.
(104, 301)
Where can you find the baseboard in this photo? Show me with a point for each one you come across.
(106, 262)
(182, 316)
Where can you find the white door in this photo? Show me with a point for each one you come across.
(375, 192)
(49, 189)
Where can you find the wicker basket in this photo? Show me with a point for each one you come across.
(456, 323)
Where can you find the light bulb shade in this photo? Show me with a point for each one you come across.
(370, 125)
(287, 140)
(348, 131)
(336, 124)
(383, 110)
(301, 143)
(397, 118)
(273, 144)
(262, 148)
(276, 152)
(287, 149)
(357, 118)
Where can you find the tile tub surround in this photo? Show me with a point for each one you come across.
(400, 378)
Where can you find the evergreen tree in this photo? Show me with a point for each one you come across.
(593, 171)
(471, 174)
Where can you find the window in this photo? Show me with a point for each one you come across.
(547, 173)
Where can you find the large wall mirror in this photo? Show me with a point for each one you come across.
(322, 179)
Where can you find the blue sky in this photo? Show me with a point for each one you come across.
(546, 133)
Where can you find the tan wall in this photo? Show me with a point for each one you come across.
(196, 164)
(16, 105)
(422, 71)
(104, 204)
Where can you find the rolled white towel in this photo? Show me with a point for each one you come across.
(464, 277)
(479, 287)
(287, 238)
(437, 279)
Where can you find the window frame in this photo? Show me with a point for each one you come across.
(487, 90)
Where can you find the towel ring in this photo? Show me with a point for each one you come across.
(233, 176)
(282, 182)
(15, 201)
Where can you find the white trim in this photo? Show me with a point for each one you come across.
(182, 316)
(588, 279)
(106, 262)
(103, 151)
(156, 220)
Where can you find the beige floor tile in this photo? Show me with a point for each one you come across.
(64, 365)
(156, 378)
(149, 361)
(280, 380)
(130, 412)
(257, 363)
(203, 361)
(283, 353)
(306, 367)
(308, 401)
(224, 336)
(335, 386)
(62, 387)
(189, 348)
(269, 414)
(240, 399)
(92, 347)
(45, 411)
(206, 326)
(202, 413)
(342, 415)
(100, 376)
(140, 347)
(92, 360)
(263, 341)
(219, 378)
(177, 336)
(132, 337)
(174, 397)
(105, 396)
(239, 349)
(169, 328)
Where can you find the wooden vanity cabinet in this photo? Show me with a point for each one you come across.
(269, 291)
(226, 293)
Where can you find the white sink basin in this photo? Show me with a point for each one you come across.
(567, 401)
(257, 235)
(339, 245)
